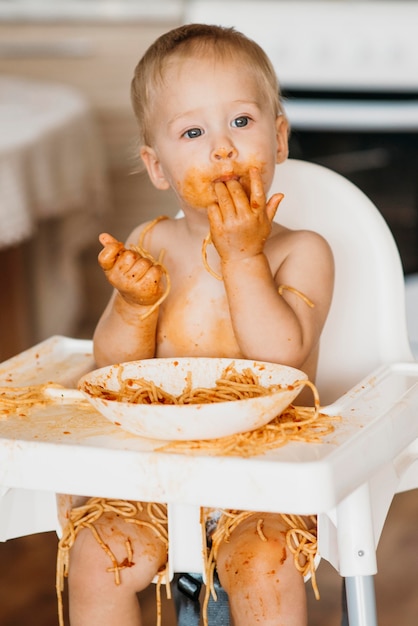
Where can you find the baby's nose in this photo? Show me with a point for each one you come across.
(225, 152)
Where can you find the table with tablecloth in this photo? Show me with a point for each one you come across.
(53, 186)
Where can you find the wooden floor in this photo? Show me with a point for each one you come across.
(27, 578)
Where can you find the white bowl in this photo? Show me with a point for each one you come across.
(191, 421)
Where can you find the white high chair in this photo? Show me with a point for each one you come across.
(349, 490)
(366, 326)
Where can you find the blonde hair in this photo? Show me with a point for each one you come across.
(198, 40)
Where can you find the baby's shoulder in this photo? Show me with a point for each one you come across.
(288, 240)
(153, 233)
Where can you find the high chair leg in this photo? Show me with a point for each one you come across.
(361, 604)
(357, 555)
(344, 614)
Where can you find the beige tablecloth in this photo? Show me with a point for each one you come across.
(52, 190)
(51, 158)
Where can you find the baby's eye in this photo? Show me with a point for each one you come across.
(241, 121)
(192, 133)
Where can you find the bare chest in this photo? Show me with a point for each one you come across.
(194, 320)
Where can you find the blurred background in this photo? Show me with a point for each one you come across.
(69, 170)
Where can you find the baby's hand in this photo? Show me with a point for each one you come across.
(240, 225)
(137, 278)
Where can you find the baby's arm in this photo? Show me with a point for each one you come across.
(269, 326)
(126, 330)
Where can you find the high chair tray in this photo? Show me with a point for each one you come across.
(63, 447)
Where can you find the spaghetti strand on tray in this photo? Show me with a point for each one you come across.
(26, 396)
(295, 423)
(20, 400)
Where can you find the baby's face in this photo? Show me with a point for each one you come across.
(212, 122)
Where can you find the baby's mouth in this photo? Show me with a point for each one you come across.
(224, 178)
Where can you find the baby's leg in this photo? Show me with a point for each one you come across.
(260, 577)
(93, 595)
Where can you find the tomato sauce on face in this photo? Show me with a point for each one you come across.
(198, 185)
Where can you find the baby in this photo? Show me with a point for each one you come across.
(212, 129)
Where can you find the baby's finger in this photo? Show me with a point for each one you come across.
(139, 268)
(273, 205)
(214, 214)
(151, 286)
(107, 257)
(238, 196)
(126, 260)
(105, 239)
(225, 202)
(257, 197)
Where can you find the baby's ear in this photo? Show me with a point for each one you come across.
(154, 169)
(282, 136)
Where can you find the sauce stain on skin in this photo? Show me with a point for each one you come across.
(197, 188)
(190, 330)
(198, 185)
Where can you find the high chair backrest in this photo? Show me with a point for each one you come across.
(366, 326)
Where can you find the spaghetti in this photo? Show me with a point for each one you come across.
(24, 397)
(295, 423)
(139, 248)
(19, 400)
(297, 293)
(208, 240)
(230, 386)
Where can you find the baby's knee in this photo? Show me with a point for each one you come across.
(251, 564)
(250, 557)
(88, 563)
(113, 554)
